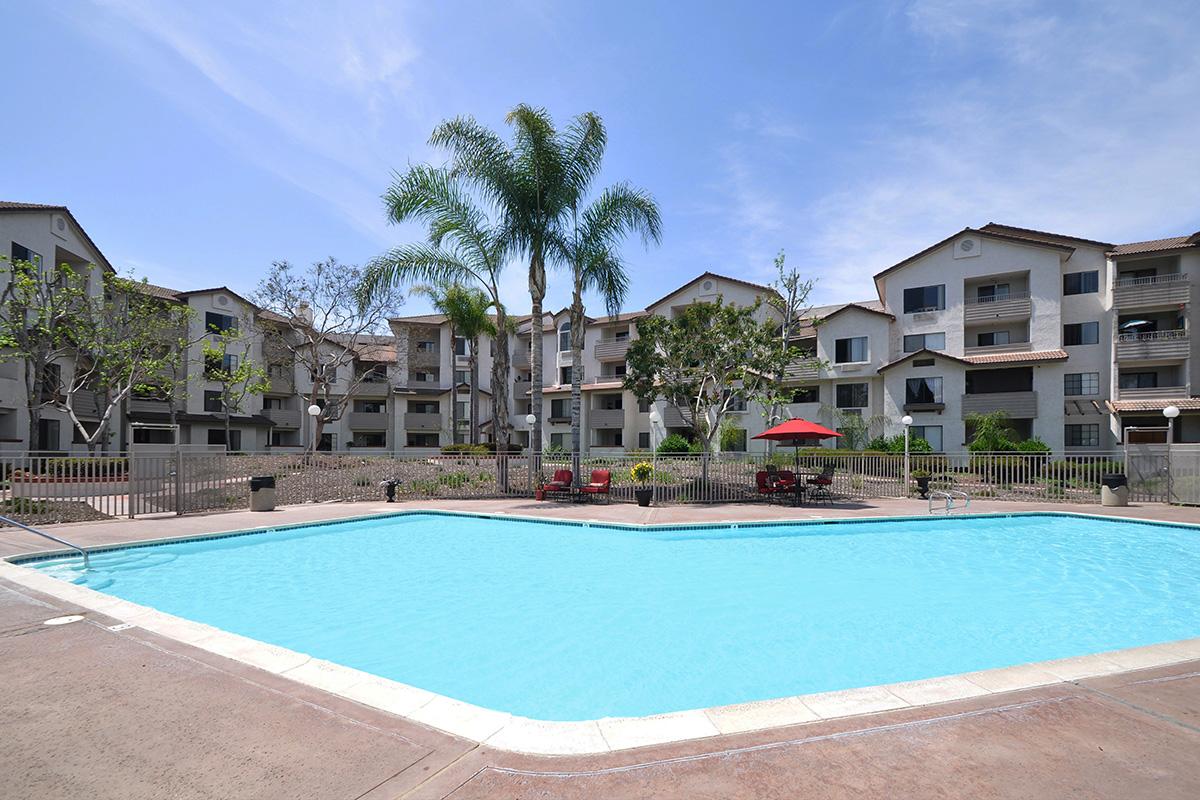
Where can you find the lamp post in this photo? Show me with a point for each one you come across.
(530, 420)
(655, 419)
(907, 422)
(314, 411)
(1170, 412)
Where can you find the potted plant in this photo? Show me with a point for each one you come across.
(642, 472)
(921, 476)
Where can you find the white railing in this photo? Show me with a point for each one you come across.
(999, 298)
(1175, 334)
(1152, 280)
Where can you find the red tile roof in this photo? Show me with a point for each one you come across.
(1041, 236)
(1157, 245)
(1018, 358)
(1127, 406)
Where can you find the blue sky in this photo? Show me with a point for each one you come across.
(198, 142)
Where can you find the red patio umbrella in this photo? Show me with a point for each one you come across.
(796, 431)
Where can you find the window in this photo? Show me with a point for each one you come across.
(369, 439)
(212, 402)
(279, 371)
(930, 433)
(421, 376)
(1079, 383)
(806, 394)
(424, 407)
(217, 436)
(1081, 333)
(217, 366)
(621, 336)
(991, 338)
(924, 341)
(1082, 435)
(1137, 380)
(738, 443)
(558, 440)
(422, 440)
(323, 373)
(560, 409)
(737, 404)
(22, 253)
(992, 293)
(610, 402)
(564, 376)
(463, 409)
(275, 403)
(643, 406)
(850, 351)
(426, 346)
(79, 437)
(461, 376)
(852, 395)
(1081, 282)
(370, 406)
(564, 337)
(284, 439)
(925, 298)
(923, 391)
(644, 441)
(460, 346)
(220, 323)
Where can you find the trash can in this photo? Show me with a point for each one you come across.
(1114, 490)
(262, 493)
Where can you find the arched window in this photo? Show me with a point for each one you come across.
(564, 337)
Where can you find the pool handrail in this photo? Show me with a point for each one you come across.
(950, 495)
(51, 537)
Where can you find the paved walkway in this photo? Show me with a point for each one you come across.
(86, 711)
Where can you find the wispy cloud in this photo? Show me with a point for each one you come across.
(1088, 126)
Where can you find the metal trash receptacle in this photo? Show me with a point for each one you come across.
(1114, 490)
(262, 493)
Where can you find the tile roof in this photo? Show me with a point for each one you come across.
(923, 352)
(1027, 240)
(10, 205)
(587, 387)
(1028, 357)
(1040, 236)
(1126, 406)
(161, 292)
(1157, 245)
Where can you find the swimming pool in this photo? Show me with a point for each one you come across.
(560, 621)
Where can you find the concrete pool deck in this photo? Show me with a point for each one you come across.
(738, 762)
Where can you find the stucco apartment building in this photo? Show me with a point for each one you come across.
(1075, 339)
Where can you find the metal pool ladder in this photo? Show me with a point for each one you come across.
(51, 537)
(950, 495)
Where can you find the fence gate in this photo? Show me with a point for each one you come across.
(1146, 467)
(1184, 468)
(153, 485)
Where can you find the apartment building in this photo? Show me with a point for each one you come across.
(1076, 340)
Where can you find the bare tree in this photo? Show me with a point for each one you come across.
(321, 323)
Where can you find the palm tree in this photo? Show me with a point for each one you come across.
(536, 185)
(596, 266)
(464, 248)
(467, 309)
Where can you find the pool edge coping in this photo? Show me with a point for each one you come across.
(509, 732)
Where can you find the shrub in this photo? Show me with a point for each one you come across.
(674, 445)
(68, 467)
(642, 472)
(1033, 445)
(466, 449)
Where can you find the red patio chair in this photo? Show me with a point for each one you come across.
(766, 485)
(600, 484)
(560, 483)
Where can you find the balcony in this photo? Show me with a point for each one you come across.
(521, 387)
(806, 370)
(421, 387)
(520, 357)
(373, 385)
(1015, 305)
(611, 349)
(424, 358)
(1155, 393)
(414, 421)
(280, 384)
(1172, 345)
(1021, 405)
(606, 418)
(370, 420)
(283, 417)
(1157, 290)
(1011, 347)
(148, 406)
(673, 419)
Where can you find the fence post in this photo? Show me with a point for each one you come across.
(178, 481)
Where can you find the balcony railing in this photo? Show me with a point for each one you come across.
(1015, 305)
(1153, 393)
(602, 418)
(139, 405)
(1154, 290)
(611, 349)
(283, 417)
(1011, 347)
(1153, 345)
(368, 420)
(415, 421)
(521, 387)
(1022, 405)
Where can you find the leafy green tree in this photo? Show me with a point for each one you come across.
(535, 184)
(991, 433)
(790, 302)
(467, 309)
(464, 248)
(707, 361)
(228, 361)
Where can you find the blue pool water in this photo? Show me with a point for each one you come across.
(565, 622)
